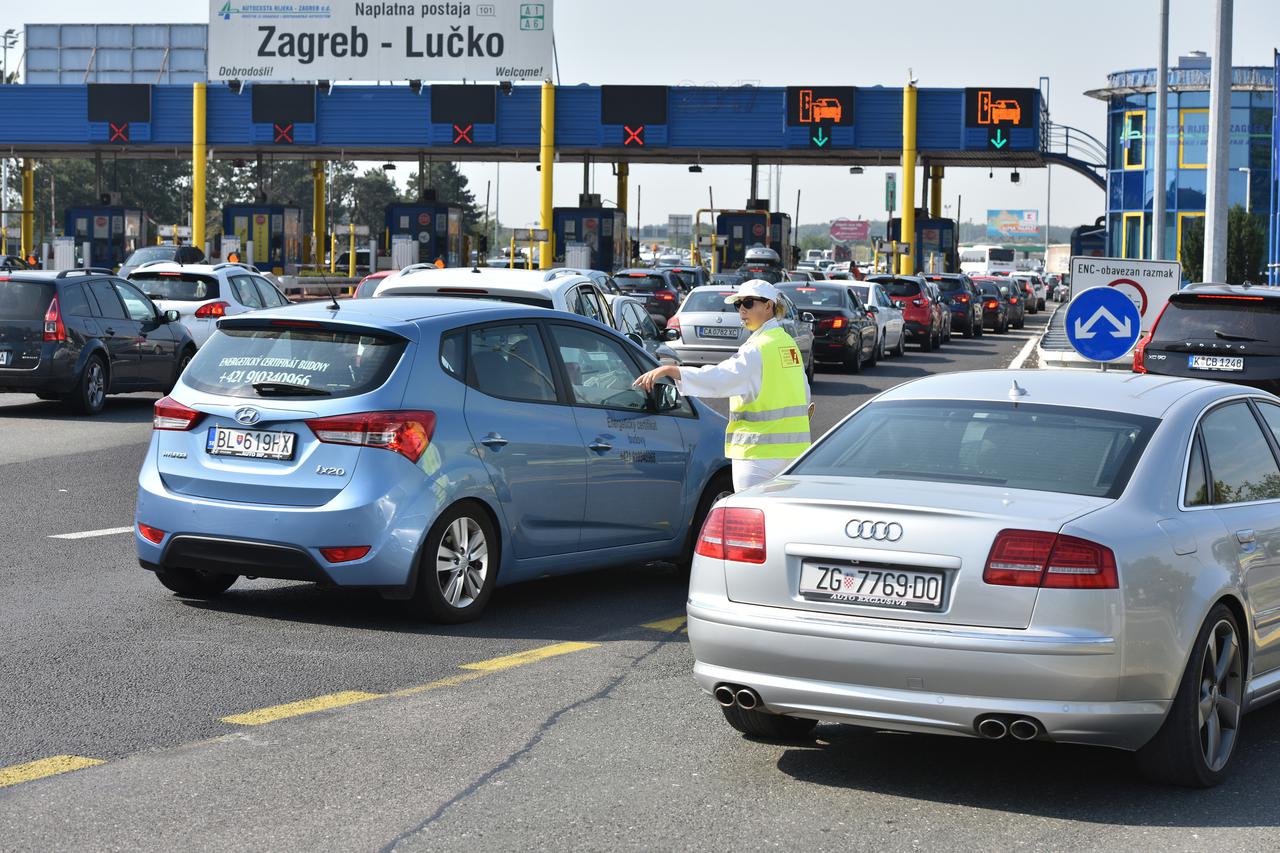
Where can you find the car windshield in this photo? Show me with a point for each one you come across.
(180, 287)
(709, 300)
(1208, 318)
(986, 443)
(152, 253)
(641, 281)
(25, 300)
(948, 285)
(773, 276)
(900, 286)
(816, 296)
(687, 277)
(333, 363)
(726, 279)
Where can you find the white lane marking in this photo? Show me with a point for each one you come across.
(1024, 353)
(89, 534)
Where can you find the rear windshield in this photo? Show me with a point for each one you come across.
(339, 364)
(641, 281)
(864, 292)
(986, 443)
(1207, 319)
(24, 300)
(180, 287)
(990, 288)
(727, 279)
(710, 300)
(816, 296)
(688, 278)
(900, 286)
(152, 253)
(773, 276)
(948, 285)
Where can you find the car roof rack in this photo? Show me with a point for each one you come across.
(85, 271)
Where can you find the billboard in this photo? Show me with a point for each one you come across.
(368, 41)
(1012, 224)
(850, 230)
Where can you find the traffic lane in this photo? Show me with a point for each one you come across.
(616, 747)
(34, 429)
(101, 660)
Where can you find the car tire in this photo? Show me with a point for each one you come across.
(447, 591)
(769, 726)
(1186, 751)
(853, 362)
(183, 360)
(946, 336)
(1040, 305)
(901, 349)
(90, 394)
(977, 328)
(1001, 327)
(192, 583)
(876, 349)
(812, 369)
(721, 486)
(1022, 322)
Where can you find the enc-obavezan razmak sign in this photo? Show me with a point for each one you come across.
(349, 40)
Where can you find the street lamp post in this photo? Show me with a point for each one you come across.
(1248, 187)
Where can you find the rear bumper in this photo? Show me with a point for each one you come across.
(916, 329)
(919, 680)
(46, 377)
(698, 356)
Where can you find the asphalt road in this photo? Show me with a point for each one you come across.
(418, 737)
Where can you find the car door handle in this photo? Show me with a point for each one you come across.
(1245, 537)
(600, 446)
(494, 441)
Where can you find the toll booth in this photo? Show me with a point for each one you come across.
(595, 237)
(436, 227)
(739, 230)
(934, 238)
(276, 232)
(1090, 239)
(112, 233)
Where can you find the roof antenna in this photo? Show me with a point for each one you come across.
(333, 294)
(1017, 391)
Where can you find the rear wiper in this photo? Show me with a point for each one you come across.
(1227, 336)
(288, 389)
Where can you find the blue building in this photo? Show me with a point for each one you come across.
(1131, 139)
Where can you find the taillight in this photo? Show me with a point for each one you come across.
(964, 297)
(1013, 300)
(151, 534)
(213, 310)
(344, 554)
(665, 295)
(406, 433)
(733, 533)
(53, 328)
(1140, 352)
(831, 323)
(1049, 560)
(673, 323)
(170, 414)
(992, 304)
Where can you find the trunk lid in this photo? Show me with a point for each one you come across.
(942, 527)
(711, 329)
(22, 308)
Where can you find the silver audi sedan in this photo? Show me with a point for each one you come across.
(929, 566)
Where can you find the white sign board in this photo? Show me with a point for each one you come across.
(353, 40)
(1149, 284)
(530, 235)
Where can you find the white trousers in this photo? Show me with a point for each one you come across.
(753, 472)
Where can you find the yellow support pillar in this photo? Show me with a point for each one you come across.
(907, 266)
(624, 172)
(351, 253)
(198, 156)
(317, 213)
(935, 192)
(28, 208)
(546, 157)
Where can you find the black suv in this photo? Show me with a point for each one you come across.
(1216, 331)
(79, 335)
(963, 299)
(658, 287)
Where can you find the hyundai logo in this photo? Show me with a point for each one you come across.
(878, 531)
(248, 416)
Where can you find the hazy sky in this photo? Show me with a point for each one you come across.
(1076, 43)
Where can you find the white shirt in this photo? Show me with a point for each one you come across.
(740, 374)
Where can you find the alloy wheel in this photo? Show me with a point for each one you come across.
(95, 385)
(1221, 693)
(462, 562)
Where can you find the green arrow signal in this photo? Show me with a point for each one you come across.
(820, 138)
(999, 141)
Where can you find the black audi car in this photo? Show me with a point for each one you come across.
(844, 330)
(995, 304)
(79, 335)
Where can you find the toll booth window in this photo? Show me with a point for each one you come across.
(1135, 139)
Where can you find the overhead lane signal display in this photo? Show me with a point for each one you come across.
(120, 106)
(999, 119)
(639, 111)
(819, 110)
(467, 114)
(283, 108)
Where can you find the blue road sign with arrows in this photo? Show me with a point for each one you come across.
(1103, 323)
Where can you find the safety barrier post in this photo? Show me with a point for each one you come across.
(511, 253)
(317, 213)
(333, 251)
(351, 253)
(906, 265)
(198, 164)
(546, 158)
(28, 207)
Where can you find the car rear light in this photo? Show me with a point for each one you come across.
(733, 533)
(212, 310)
(1049, 560)
(170, 414)
(406, 433)
(53, 328)
(1224, 296)
(1013, 300)
(665, 295)
(964, 297)
(345, 554)
(466, 291)
(992, 304)
(151, 534)
(832, 323)
(1140, 352)
(171, 274)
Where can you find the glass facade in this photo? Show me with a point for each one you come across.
(1131, 123)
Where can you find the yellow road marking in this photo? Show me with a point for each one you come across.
(51, 766)
(667, 625)
(451, 681)
(522, 658)
(302, 706)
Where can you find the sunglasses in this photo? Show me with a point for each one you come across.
(748, 302)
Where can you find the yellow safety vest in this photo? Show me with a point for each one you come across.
(775, 425)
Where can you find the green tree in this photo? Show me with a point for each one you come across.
(369, 196)
(1193, 249)
(450, 186)
(1246, 248)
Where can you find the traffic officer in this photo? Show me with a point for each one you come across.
(769, 406)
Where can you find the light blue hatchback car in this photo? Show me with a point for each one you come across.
(430, 448)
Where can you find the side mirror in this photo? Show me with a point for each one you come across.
(635, 339)
(806, 317)
(665, 397)
(172, 316)
(871, 309)
(670, 334)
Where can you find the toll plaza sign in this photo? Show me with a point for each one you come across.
(818, 110)
(354, 40)
(1147, 284)
(1000, 112)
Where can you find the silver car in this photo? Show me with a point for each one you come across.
(893, 336)
(926, 567)
(706, 330)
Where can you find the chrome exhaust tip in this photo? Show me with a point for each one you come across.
(992, 729)
(1024, 729)
(747, 698)
(724, 695)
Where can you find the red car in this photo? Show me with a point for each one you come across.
(922, 316)
(369, 284)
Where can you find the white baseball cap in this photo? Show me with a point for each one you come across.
(756, 287)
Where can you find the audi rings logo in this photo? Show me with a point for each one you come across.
(877, 531)
(248, 416)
